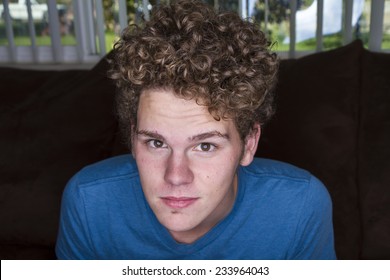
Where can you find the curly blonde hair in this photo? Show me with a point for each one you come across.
(217, 59)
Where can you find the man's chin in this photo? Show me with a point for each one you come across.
(178, 222)
(178, 225)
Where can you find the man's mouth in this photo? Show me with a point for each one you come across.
(179, 202)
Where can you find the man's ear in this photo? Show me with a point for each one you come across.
(250, 145)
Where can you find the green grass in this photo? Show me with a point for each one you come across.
(310, 45)
(329, 42)
(386, 42)
(40, 41)
(67, 40)
(111, 37)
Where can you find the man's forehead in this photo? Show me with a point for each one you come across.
(161, 105)
(162, 112)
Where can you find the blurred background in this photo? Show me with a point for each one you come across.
(82, 31)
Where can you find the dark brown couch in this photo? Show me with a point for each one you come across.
(333, 118)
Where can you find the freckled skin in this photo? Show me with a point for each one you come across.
(187, 162)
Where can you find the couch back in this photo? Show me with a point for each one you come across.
(52, 123)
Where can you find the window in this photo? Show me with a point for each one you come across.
(82, 31)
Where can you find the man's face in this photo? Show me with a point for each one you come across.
(187, 162)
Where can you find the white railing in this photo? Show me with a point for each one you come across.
(376, 23)
(89, 30)
(89, 34)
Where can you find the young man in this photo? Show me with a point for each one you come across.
(194, 90)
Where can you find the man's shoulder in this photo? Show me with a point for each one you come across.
(281, 178)
(262, 167)
(121, 167)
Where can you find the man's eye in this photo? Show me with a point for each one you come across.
(205, 147)
(156, 144)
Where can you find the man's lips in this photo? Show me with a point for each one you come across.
(178, 202)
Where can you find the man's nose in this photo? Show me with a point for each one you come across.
(178, 171)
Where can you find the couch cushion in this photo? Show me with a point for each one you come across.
(51, 126)
(315, 127)
(374, 156)
(26, 252)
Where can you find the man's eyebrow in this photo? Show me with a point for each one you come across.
(209, 134)
(198, 137)
(150, 134)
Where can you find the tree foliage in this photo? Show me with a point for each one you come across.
(278, 10)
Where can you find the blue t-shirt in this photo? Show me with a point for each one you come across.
(280, 212)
